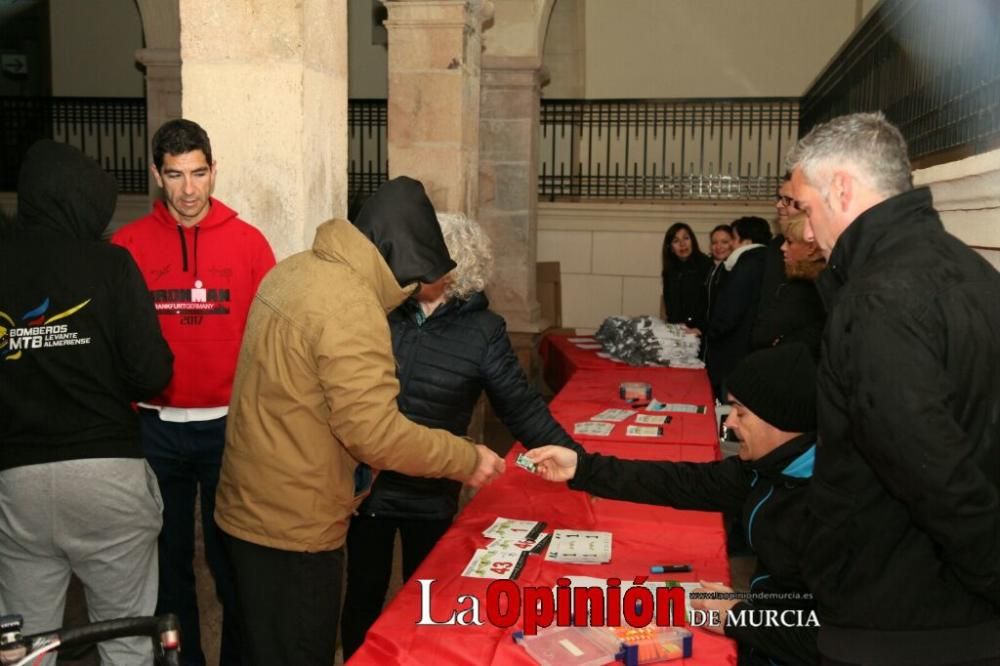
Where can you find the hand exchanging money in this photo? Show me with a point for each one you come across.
(554, 463)
(489, 468)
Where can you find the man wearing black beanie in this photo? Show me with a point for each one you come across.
(773, 394)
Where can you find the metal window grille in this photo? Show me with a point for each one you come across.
(664, 149)
(112, 130)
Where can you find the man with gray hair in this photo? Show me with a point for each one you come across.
(904, 554)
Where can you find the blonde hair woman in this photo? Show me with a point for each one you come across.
(803, 259)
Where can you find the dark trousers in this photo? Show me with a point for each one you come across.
(369, 567)
(186, 458)
(289, 603)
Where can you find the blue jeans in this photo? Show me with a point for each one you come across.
(186, 458)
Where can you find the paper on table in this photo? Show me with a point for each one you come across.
(533, 546)
(579, 547)
(495, 564)
(615, 415)
(593, 428)
(657, 406)
(644, 431)
(507, 528)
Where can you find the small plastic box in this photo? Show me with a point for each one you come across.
(593, 646)
(648, 645)
(568, 646)
(636, 393)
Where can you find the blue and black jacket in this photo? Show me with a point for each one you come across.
(769, 494)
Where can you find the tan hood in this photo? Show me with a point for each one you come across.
(339, 240)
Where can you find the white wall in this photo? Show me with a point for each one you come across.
(695, 48)
(93, 48)
(967, 195)
(609, 253)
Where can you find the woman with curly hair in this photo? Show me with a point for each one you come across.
(449, 348)
(685, 270)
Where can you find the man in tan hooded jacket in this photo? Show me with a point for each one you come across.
(314, 396)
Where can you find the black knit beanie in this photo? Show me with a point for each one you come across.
(778, 385)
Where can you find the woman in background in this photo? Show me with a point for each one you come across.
(722, 246)
(449, 348)
(685, 269)
(727, 334)
(801, 314)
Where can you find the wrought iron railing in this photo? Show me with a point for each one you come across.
(664, 149)
(932, 67)
(112, 130)
(367, 144)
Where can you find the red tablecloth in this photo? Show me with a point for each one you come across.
(561, 358)
(643, 535)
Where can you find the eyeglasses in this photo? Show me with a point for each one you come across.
(786, 201)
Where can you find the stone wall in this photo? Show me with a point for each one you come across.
(268, 81)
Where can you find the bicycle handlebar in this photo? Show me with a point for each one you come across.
(163, 629)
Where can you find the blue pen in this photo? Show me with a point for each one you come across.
(670, 568)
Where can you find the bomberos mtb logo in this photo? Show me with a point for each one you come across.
(37, 330)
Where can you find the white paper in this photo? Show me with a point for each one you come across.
(579, 547)
(507, 528)
(593, 428)
(615, 415)
(494, 564)
(657, 406)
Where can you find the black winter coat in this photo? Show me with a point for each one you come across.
(769, 496)
(789, 310)
(79, 338)
(905, 551)
(684, 296)
(443, 365)
(727, 336)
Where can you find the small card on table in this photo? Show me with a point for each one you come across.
(615, 415)
(644, 431)
(595, 428)
(507, 528)
(657, 406)
(579, 547)
(487, 563)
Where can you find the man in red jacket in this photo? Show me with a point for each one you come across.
(202, 265)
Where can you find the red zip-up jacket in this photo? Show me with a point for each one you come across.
(202, 280)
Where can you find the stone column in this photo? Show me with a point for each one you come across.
(163, 90)
(161, 59)
(434, 55)
(508, 187)
(268, 81)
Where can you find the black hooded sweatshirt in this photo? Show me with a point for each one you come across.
(400, 221)
(79, 338)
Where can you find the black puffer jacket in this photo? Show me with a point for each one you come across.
(904, 555)
(444, 365)
(790, 310)
(768, 494)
